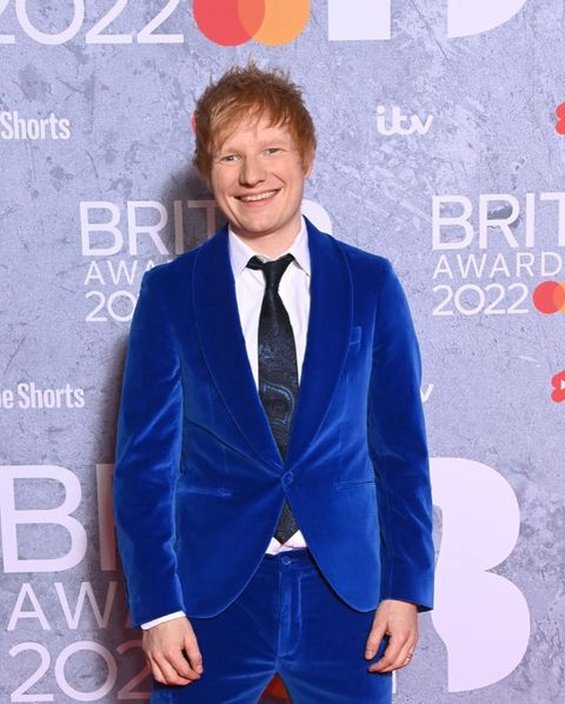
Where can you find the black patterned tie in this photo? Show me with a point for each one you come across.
(278, 372)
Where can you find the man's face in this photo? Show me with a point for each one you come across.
(257, 178)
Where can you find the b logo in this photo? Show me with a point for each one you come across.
(481, 616)
(549, 297)
(232, 22)
(465, 19)
(350, 20)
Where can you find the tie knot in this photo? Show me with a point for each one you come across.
(272, 270)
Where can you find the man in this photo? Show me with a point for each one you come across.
(272, 491)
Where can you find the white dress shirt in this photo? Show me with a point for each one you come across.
(294, 290)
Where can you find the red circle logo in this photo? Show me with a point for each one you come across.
(560, 124)
(549, 297)
(558, 384)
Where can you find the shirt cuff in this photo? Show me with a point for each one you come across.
(162, 619)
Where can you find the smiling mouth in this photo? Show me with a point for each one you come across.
(257, 197)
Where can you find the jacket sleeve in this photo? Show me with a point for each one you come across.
(147, 459)
(397, 444)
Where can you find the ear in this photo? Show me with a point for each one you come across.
(308, 165)
(207, 179)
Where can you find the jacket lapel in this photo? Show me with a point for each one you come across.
(223, 345)
(329, 330)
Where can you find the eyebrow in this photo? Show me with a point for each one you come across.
(267, 141)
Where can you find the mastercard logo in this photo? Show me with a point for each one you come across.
(549, 297)
(233, 22)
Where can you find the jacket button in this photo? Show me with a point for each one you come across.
(288, 478)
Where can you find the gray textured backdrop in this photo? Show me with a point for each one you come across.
(100, 133)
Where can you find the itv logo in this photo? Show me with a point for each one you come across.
(396, 123)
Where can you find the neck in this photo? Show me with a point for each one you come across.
(271, 245)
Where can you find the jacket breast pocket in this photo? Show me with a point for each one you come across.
(355, 484)
(204, 490)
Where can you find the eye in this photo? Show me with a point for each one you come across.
(273, 150)
(229, 158)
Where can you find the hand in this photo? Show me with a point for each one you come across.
(399, 620)
(172, 652)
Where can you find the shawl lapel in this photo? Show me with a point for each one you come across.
(223, 345)
(329, 330)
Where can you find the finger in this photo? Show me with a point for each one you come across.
(164, 673)
(156, 671)
(193, 654)
(389, 657)
(173, 665)
(374, 640)
(182, 666)
(397, 655)
(407, 659)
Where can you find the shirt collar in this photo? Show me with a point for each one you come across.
(240, 252)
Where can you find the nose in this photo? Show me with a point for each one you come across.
(252, 171)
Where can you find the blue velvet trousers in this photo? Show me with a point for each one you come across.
(288, 621)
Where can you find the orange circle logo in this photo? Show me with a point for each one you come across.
(233, 22)
(549, 297)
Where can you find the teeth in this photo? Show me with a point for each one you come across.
(259, 196)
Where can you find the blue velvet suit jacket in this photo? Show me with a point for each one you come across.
(199, 481)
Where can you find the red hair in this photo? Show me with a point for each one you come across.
(247, 91)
